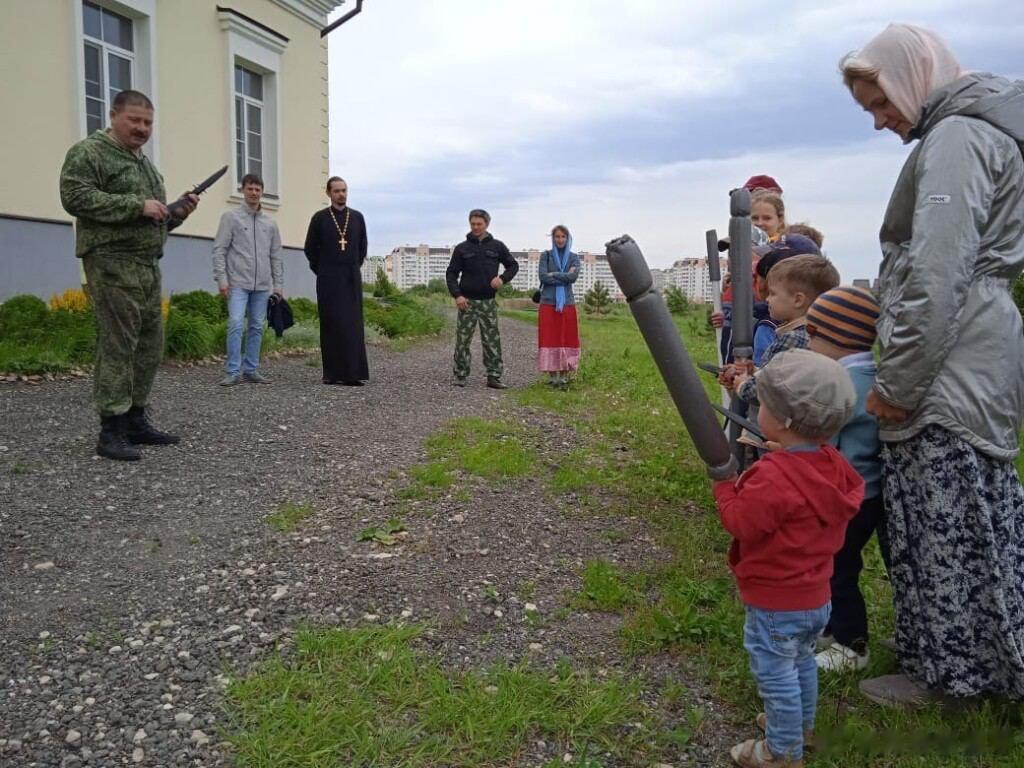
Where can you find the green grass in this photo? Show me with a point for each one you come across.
(492, 450)
(288, 517)
(641, 461)
(366, 697)
(46, 342)
(607, 588)
(403, 316)
(470, 447)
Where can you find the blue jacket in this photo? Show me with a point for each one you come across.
(549, 275)
(858, 440)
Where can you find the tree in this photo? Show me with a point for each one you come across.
(676, 300)
(384, 288)
(597, 300)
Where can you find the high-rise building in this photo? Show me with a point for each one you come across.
(593, 269)
(418, 264)
(410, 265)
(370, 267)
(693, 278)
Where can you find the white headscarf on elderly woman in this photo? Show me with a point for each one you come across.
(910, 62)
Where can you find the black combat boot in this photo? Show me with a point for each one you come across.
(112, 443)
(140, 430)
(494, 382)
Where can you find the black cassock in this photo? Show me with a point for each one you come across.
(339, 291)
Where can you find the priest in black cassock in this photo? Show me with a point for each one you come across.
(336, 249)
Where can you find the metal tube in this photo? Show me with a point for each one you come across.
(659, 331)
(739, 269)
(715, 276)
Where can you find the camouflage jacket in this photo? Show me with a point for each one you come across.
(104, 186)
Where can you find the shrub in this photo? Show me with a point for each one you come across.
(212, 307)
(401, 316)
(22, 312)
(435, 287)
(508, 292)
(189, 336)
(676, 300)
(59, 341)
(597, 300)
(73, 300)
(1018, 294)
(303, 309)
(384, 288)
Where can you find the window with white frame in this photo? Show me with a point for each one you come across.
(249, 123)
(109, 51)
(253, 68)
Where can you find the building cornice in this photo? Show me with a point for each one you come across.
(311, 11)
(233, 21)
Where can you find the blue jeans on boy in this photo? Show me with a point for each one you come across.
(781, 648)
(243, 303)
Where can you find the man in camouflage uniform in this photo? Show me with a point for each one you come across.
(118, 199)
(473, 281)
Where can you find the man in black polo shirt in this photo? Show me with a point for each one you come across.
(473, 281)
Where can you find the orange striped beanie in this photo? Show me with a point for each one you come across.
(845, 317)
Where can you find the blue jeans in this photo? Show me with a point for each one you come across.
(242, 303)
(781, 648)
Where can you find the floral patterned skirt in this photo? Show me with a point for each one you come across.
(956, 531)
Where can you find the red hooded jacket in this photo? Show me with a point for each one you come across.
(788, 516)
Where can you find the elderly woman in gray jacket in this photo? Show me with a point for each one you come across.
(558, 335)
(949, 393)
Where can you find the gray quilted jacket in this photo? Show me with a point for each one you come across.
(953, 243)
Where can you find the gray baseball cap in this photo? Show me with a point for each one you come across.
(809, 393)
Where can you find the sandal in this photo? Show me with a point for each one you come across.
(762, 724)
(754, 754)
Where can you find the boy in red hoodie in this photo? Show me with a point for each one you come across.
(787, 515)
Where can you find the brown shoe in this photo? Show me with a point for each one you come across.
(754, 754)
(898, 691)
(762, 723)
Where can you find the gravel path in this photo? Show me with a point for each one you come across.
(128, 590)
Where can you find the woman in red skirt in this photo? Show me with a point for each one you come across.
(558, 335)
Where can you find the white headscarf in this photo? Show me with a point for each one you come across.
(912, 62)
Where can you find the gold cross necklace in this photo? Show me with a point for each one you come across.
(341, 232)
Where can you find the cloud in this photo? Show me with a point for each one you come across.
(615, 116)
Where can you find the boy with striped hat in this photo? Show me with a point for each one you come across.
(841, 325)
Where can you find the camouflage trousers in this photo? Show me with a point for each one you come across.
(484, 312)
(125, 297)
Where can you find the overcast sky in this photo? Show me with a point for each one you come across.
(633, 116)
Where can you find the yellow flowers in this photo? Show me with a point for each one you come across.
(73, 300)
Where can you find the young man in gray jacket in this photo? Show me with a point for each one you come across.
(247, 265)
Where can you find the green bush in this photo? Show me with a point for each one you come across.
(435, 287)
(401, 316)
(676, 300)
(384, 288)
(1018, 294)
(22, 312)
(597, 300)
(61, 340)
(508, 292)
(213, 307)
(303, 309)
(189, 336)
